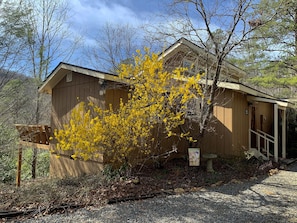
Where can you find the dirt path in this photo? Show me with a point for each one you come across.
(271, 199)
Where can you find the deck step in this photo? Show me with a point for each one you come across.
(252, 152)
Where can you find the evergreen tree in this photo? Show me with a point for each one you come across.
(270, 55)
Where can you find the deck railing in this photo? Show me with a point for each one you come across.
(39, 134)
(262, 138)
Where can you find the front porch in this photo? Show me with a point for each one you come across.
(270, 145)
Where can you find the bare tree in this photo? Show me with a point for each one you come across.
(48, 39)
(13, 27)
(114, 44)
(34, 36)
(48, 36)
(219, 27)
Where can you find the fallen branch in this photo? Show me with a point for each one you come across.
(35, 211)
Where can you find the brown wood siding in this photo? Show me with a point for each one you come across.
(240, 124)
(220, 141)
(229, 119)
(266, 111)
(67, 95)
(231, 123)
(64, 167)
(114, 96)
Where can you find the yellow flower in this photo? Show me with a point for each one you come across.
(156, 98)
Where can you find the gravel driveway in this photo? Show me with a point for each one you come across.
(271, 199)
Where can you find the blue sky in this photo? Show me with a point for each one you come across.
(90, 15)
(102, 11)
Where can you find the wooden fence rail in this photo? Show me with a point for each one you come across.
(35, 136)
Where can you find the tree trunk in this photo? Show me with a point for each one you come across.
(295, 31)
(207, 106)
(35, 151)
(34, 162)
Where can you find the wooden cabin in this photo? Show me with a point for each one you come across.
(242, 118)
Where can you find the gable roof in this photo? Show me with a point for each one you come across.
(183, 42)
(236, 86)
(64, 68)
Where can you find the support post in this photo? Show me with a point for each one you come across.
(34, 161)
(275, 132)
(19, 167)
(250, 138)
(250, 127)
(284, 137)
(258, 143)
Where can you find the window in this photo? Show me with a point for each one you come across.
(192, 68)
(193, 107)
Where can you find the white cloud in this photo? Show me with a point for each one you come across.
(91, 15)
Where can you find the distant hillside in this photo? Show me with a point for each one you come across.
(6, 75)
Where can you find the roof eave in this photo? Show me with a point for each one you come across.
(53, 79)
(239, 73)
(255, 95)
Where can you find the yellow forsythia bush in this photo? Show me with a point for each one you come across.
(124, 136)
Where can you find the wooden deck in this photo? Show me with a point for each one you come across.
(37, 136)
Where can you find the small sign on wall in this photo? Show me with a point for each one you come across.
(194, 156)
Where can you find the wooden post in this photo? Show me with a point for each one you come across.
(275, 133)
(19, 168)
(284, 131)
(250, 139)
(34, 161)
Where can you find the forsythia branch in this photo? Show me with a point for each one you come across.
(126, 135)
